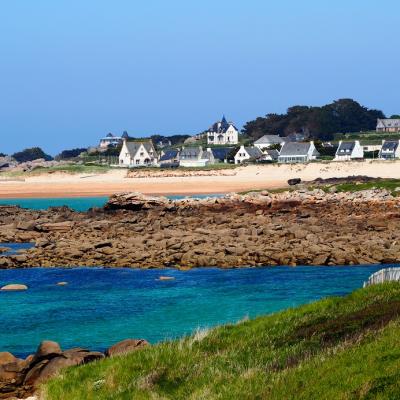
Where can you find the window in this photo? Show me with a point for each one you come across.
(137, 162)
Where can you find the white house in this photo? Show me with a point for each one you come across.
(223, 132)
(247, 153)
(296, 152)
(112, 140)
(137, 153)
(390, 150)
(193, 157)
(269, 140)
(347, 151)
(388, 125)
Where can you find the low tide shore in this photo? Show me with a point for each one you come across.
(303, 227)
(185, 182)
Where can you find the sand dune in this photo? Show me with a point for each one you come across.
(246, 178)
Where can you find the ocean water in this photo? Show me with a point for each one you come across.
(75, 203)
(100, 307)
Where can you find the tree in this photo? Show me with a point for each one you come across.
(395, 116)
(66, 154)
(341, 116)
(31, 154)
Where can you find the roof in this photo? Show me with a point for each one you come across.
(389, 122)
(169, 155)
(274, 154)
(346, 147)
(125, 135)
(109, 135)
(190, 152)
(390, 145)
(133, 147)
(253, 152)
(221, 153)
(221, 126)
(269, 139)
(295, 149)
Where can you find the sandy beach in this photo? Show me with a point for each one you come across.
(243, 178)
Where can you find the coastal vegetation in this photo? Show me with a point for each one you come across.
(341, 116)
(70, 168)
(336, 348)
(31, 154)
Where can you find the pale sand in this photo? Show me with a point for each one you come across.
(246, 178)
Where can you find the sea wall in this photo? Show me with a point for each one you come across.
(291, 228)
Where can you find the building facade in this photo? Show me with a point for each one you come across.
(137, 154)
(296, 152)
(388, 125)
(223, 133)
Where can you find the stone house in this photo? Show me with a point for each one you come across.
(388, 125)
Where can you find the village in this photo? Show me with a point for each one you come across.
(224, 145)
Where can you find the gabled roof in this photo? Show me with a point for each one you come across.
(390, 145)
(295, 149)
(389, 122)
(253, 152)
(109, 135)
(346, 148)
(134, 146)
(169, 155)
(125, 135)
(274, 154)
(190, 152)
(221, 153)
(221, 126)
(270, 139)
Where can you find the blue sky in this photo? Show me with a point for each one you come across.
(73, 70)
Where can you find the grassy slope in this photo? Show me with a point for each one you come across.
(337, 348)
(67, 168)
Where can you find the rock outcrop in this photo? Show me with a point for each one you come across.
(299, 227)
(21, 378)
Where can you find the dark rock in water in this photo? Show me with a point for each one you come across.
(294, 181)
(126, 346)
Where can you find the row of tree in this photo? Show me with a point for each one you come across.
(341, 116)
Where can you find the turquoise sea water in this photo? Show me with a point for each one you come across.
(76, 203)
(102, 306)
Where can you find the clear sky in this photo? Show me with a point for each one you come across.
(73, 70)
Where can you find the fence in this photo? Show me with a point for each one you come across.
(383, 275)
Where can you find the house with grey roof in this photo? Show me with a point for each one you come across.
(245, 154)
(388, 125)
(297, 152)
(137, 154)
(269, 140)
(169, 156)
(348, 151)
(193, 157)
(223, 132)
(390, 150)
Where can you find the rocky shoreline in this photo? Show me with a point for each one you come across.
(21, 378)
(300, 227)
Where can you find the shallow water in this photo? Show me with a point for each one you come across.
(75, 203)
(102, 306)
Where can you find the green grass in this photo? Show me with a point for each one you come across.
(337, 348)
(389, 184)
(67, 168)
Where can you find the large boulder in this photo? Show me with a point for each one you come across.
(46, 350)
(126, 346)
